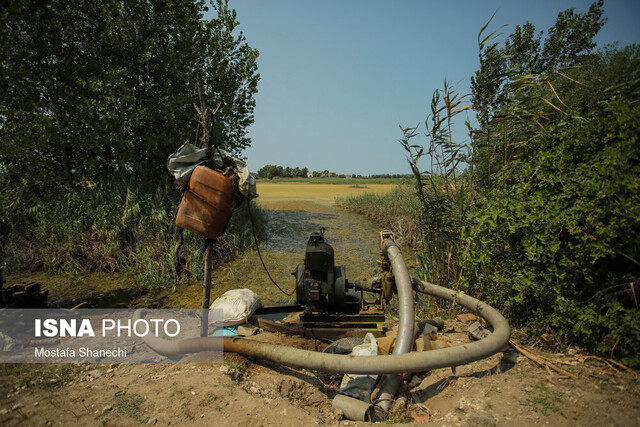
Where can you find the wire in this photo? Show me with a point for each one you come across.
(255, 239)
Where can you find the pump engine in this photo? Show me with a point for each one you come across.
(321, 286)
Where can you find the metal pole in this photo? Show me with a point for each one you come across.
(206, 288)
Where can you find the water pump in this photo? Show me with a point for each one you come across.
(321, 286)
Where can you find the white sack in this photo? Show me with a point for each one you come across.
(237, 306)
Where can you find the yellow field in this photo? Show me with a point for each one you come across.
(273, 192)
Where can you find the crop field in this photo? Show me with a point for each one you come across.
(272, 193)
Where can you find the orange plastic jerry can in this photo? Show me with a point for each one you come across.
(206, 205)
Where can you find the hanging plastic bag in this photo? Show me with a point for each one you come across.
(185, 159)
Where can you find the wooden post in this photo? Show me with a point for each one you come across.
(207, 118)
(206, 288)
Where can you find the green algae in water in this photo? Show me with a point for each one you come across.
(353, 237)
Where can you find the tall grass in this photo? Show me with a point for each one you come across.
(397, 210)
(109, 229)
(440, 189)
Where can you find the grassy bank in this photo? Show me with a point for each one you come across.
(116, 229)
(397, 210)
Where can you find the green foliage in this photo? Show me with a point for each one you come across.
(544, 222)
(110, 229)
(94, 95)
(103, 91)
(543, 400)
(566, 44)
(129, 405)
(39, 376)
(507, 111)
(562, 228)
(554, 241)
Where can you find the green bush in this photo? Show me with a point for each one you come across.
(555, 244)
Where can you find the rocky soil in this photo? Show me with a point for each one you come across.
(506, 389)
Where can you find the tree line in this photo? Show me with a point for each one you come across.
(272, 171)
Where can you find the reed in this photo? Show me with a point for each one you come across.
(110, 229)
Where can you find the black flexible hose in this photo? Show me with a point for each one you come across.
(255, 239)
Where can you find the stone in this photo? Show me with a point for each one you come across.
(247, 330)
(463, 404)
(107, 409)
(477, 332)
(385, 344)
(481, 419)
(420, 418)
(415, 381)
(152, 421)
(94, 373)
(466, 317)
(430, 342)
(467, 404)
(400, 404)
(292, 318)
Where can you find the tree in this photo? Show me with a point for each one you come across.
(103, 90)
(509, 73)
(231, 77)
(555, 243)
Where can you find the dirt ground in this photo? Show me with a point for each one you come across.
(506, 389)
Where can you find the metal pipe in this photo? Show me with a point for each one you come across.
(361, 365)
(389, 384)
(406, 322)
(353, 409)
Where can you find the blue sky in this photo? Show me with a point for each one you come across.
(339, 77)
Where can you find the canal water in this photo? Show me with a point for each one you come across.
(293, 212)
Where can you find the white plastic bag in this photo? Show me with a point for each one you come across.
(360, 386)
(185, 159)
(237, 306)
